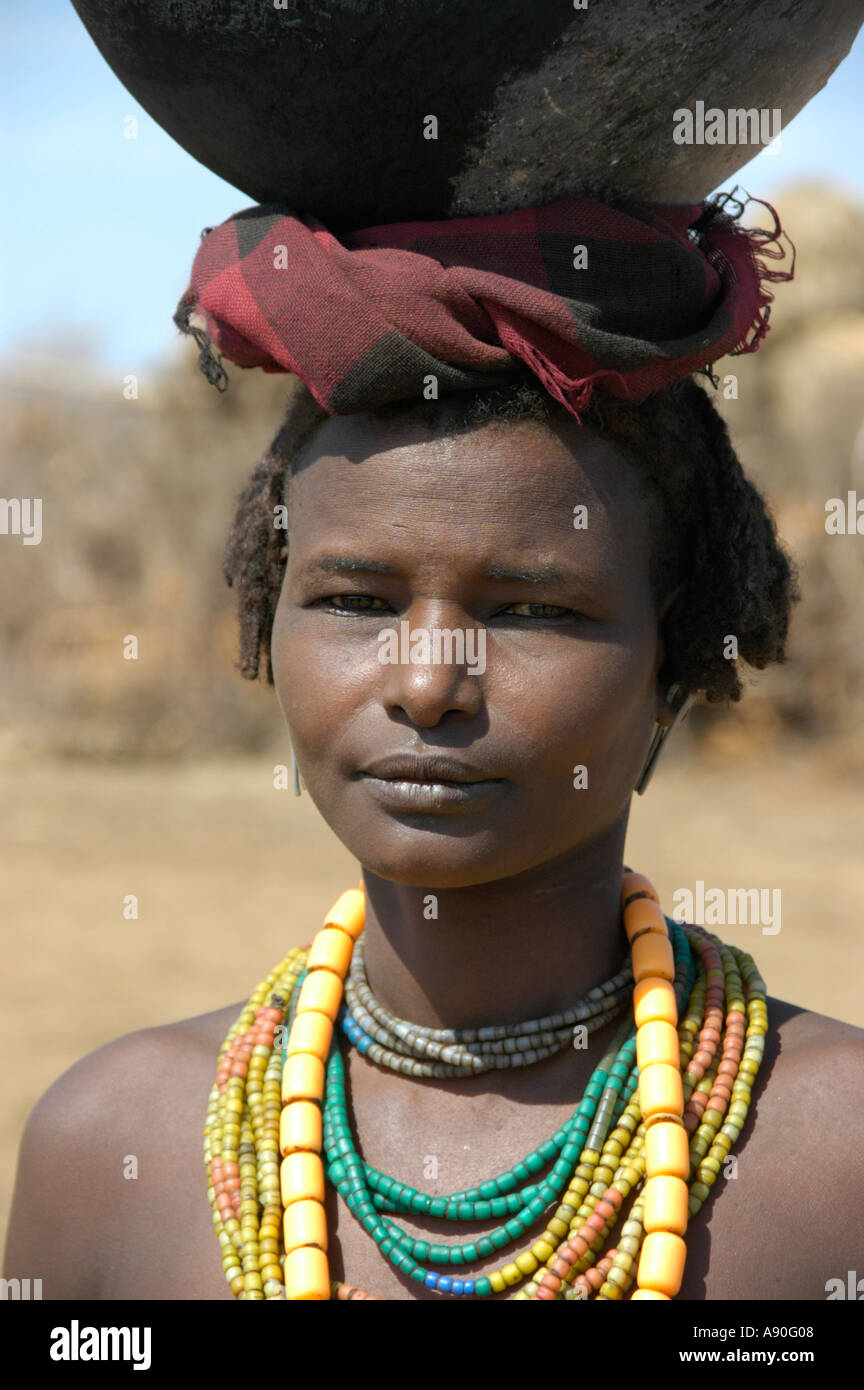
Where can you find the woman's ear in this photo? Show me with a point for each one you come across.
(665, 714)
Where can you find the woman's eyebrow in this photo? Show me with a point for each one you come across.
(547, 574)
(332, 563)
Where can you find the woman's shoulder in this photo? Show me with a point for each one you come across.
(813, 1065)
(105, 1111)
(799, 1198)
(803, 1036)
(132, 1073)
(813, 1075)
(136, 1061)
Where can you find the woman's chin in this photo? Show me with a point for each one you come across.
(431, 859)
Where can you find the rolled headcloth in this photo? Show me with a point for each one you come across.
(580, 293)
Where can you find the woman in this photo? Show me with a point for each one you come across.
(605, 561)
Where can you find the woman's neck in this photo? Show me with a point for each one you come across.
(500, 952)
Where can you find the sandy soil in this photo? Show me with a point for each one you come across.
(230, 872)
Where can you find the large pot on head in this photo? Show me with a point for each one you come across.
(365, 111)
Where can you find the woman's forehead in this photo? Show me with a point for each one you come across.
(523, 463)
(513, 492)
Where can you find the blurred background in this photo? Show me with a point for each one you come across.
(155, 777)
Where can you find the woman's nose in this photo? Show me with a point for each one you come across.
(433, 661)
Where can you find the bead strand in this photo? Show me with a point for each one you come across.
(306, 1269)
(420, 1051)
(663, 1213)
(656, 1011)
(229, 1142)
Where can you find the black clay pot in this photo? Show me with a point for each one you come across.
(329, 105)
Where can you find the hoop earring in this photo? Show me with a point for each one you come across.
(296, 771)
(662, 732)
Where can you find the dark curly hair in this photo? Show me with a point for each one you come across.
(714, 537)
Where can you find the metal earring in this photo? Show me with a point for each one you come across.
(296, 771)
(674, 694)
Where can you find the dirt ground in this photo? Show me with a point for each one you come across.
(230, 872)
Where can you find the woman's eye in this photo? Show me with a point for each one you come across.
(368, 603)
(540, 610)
(353, 603)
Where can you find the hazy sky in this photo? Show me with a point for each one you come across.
(99, 232)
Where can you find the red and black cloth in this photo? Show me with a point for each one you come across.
(582, 294)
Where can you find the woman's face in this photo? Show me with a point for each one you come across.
(395, 530)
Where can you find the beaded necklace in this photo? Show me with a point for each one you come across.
(407, 1047)
(661, 1112)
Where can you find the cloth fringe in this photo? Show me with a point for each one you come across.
(465, 300)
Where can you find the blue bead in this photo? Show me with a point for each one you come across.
(468, 1286)
(431, 1280)
(458, 1285)
(363, 1045)
(444, 1283)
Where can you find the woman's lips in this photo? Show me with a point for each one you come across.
(408, 794)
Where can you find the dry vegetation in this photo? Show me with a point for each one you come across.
(137, 499)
